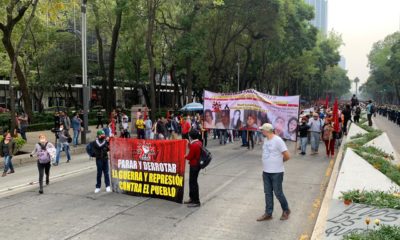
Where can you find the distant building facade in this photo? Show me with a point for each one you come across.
(342, 62)
(321, 14)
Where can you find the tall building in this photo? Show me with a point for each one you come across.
(320, 20)
(342, 62)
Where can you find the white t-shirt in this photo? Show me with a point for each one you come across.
(272, 157)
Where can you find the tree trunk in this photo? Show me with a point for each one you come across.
(103, 74)
(19, 74)
(111, 69)
(151, 12)
(189, 79)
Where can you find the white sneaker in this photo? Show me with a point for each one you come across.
(97, 190)
(108, 189)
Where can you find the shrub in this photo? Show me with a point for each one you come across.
(381, 164)
(386, 232)
(375, 198)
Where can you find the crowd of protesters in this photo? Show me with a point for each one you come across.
(391, 112)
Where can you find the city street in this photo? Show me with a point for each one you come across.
(231, 192)
(391, 129)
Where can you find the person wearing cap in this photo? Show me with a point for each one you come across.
(100, 149)
(274, 154)
(315, 124)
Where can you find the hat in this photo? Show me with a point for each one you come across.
(267, 127)
(100, 132)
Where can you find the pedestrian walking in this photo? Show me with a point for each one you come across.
(62, 144)
(274, 154)
(100, 149)
(148, 124)
(23, 124)
(315, 124)
(99, 115)
(346, 118)
(370, 111)
(76, 127)
(357, 114)
(44, 151)
(194, 162)
(303, 130)
(186, 128)
(329, 137)
(7, 150)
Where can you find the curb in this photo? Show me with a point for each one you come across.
(319, 228)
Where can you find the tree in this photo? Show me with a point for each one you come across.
(15, 11)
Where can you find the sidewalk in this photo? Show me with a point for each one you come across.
(33, 138)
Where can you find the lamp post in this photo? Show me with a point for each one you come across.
(85, 89)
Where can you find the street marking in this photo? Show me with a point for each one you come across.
(31, 184)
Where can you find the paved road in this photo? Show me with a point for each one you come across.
(231, 192)
(391, 129)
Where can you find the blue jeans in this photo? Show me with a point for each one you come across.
(76, 136)
(102, 167)
(66, 149)
(273, 183)
(303, 144)
(315, 137)
(22, 130)
(244, 138)
(8, 163)
(147, 133)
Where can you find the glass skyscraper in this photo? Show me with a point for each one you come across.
(321, 14)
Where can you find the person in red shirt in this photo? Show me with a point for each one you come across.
(194, 161)
(186, 128)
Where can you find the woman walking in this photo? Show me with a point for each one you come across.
(329, 136)
(7, 150)
(44, 151)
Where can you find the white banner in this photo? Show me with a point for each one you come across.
(249, 109)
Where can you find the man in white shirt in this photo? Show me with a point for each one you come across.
(315, 124)
(274, 154)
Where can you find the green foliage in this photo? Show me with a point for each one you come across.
(384, 60)
(375, 198)
(385, 232)
(380, 163)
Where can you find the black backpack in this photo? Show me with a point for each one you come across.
(373, 109)
(205, 157)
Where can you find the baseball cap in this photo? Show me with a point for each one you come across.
(267, 127)
(100, 132)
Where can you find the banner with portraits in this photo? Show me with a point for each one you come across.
(148, 168)
(249, 109)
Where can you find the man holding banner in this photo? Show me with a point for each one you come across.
(194, 162)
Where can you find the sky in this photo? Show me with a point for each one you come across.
(362, 23)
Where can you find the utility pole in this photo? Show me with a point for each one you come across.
(85, 89)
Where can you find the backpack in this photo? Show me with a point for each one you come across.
(372, 109)
(205, 157)
(43, 155)
(90, 149)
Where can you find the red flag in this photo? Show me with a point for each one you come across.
(336, 116)
(286, 93)
(326, 102)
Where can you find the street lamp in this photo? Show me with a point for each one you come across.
(85, 89)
